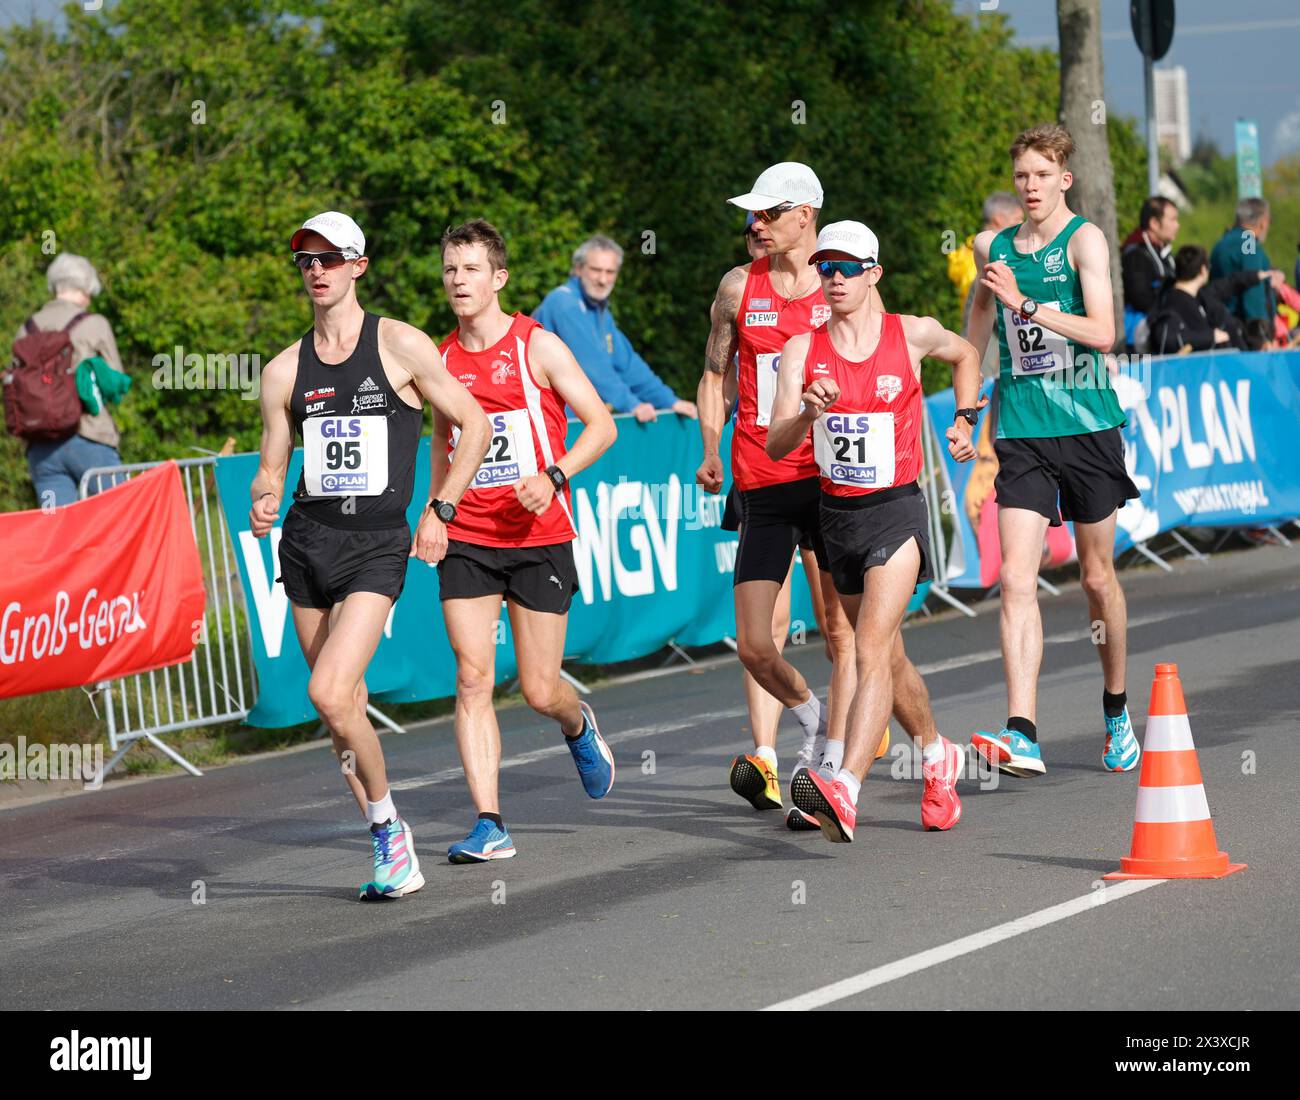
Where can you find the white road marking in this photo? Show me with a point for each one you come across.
(880, 975)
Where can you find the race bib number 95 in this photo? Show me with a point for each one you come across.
(1034, 349)
(856, 449)
(345, 456)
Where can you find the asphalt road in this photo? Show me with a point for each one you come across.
(671, 892)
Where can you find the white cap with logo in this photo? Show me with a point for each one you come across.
(340, 230)
(787, 182)
(852, 238)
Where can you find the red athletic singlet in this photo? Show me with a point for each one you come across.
(764, 323)
(871, 437)
(528, 434)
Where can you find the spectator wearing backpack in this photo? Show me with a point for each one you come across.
(63, 438)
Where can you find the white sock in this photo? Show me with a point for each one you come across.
(766, 752)
(832, 757)
(383, 810)
(933, 752)
(851, 782)
(809, 714)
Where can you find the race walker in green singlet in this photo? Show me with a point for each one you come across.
(1045, 290)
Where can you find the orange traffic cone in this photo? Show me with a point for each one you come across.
(1173, 836)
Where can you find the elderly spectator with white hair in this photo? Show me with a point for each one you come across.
(578, 313)
(56, 466)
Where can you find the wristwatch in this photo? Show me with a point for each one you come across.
(557, 477)
(971, 416)
(444, 510)
(1028, 308)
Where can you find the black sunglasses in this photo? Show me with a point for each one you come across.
(328, 260)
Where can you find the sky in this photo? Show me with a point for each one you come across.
(1242, 59)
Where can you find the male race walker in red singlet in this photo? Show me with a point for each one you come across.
(858, 377)
(353, 388)
(759, 305)
(512, 536)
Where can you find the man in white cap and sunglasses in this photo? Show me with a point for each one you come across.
(353, 389)
(856, 382)
(759, 306)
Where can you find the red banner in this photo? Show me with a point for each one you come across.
(99, 589)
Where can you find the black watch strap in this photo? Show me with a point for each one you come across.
(557, 477)
(971, 416)
(443, 509)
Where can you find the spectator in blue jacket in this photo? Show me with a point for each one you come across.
(1241, 248)
(578, 313)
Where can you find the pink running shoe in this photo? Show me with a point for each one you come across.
(828, 802)
(940, 806)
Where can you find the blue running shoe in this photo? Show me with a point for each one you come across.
(1122, 751)
(485, 841)
(592, 756)
(397, 871)
(1010, 752)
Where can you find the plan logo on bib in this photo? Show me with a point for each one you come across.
(820, 315)
(888, 386)
(1054, 261)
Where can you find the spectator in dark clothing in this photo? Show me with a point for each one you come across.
(1147, 261)
(1181, 321)
(1241, 249)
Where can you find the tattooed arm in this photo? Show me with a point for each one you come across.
(718, 356)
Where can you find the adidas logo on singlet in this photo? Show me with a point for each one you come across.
(368, 384)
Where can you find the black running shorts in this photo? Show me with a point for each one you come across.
(1086, 472)
(540, 578)
(862, 532)
(321, 565)
(773, 521)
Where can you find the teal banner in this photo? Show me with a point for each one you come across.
(654, 566)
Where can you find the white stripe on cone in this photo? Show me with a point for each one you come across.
(1164, 804)
(1168, 733)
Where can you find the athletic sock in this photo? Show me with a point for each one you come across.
(766, 752)
(1114, 705)
(377, 813)
(851, 782)
(1024, 726)
(494, 818)
(833, 757)
(933, 752)
(809, 714)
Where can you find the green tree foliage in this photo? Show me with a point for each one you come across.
(177, 143)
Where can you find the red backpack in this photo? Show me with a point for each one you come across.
(40, 389)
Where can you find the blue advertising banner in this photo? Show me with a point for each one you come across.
(654, 566)
(1204, 443)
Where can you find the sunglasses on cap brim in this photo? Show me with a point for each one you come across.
(327, 260)
(850, 269)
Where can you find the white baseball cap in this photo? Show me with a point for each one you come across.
(340, 230)
(787, 182)
(853, 238)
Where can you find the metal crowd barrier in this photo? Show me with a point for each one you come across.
(217, 683)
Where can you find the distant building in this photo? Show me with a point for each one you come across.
(1173, 128)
